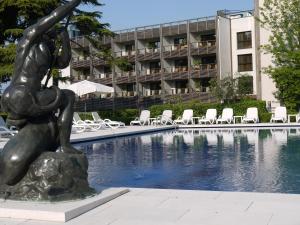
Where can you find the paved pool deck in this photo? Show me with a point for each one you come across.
(183, 207)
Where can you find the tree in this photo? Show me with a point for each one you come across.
(231, 89)
(17, 15)
(282, 19)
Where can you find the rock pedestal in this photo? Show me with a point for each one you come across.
(52, 177)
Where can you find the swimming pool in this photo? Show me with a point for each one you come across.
(254, 160)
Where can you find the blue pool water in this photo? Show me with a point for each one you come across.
(228, 160)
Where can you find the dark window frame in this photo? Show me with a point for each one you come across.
(244, 40)
(245, 62)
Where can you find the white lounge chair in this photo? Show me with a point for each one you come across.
(279, 115)
(107, 122)
(251, 116)
(298, 117)
(210, 117)
(87, 124)
(78, 128)
(227, 116)
(143, 119)
(4, 130)
(187, 117)
(164, 119)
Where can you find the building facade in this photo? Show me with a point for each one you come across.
(175, 61)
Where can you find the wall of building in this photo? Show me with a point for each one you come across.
(243, 24)
(267, 85)
(224, 46)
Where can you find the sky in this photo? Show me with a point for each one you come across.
(124, 14)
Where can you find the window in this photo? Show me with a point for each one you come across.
(245, 63)
(244, 40)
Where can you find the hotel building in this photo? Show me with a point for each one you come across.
(174, 61)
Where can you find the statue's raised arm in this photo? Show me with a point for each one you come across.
(45, 23)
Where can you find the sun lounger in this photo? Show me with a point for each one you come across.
(107, 122)
(4, 130)
(226, 117)
(164, 119)
(279, 115)
(87, 124)
(187, 117)
(210, 117)
(143, 119)
(251, 115)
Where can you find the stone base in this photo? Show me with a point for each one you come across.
(56, 212)
(52, 177)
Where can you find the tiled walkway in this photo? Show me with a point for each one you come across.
(178, 207)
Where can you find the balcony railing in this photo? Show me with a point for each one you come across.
(103, 76)
(126, 74)
(144, 51)
(203, 47)
(177, 69)
(203, 44)
(150, 71)
(176, 91)
(152, 93)
(212, 66)
(170, 48)
(176, 73)
(204, 70)
(125, 53)
(126, 94)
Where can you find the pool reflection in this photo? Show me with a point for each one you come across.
(229, 160)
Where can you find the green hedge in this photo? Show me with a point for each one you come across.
(239, 109)
(124, 115)
(199, 109)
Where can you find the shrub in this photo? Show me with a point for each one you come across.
(199, 108)
(239, 109)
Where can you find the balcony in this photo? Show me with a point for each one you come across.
(176, 91)
(176, 73)
(175, 28)
(149, 93)
(204, 70)
(202, 24)
(149, 75)
(80, 62)
(126, 94)
(148, 32)
(79, 42)
(148, 54)
(130, 55)
(175, 51)
(203, 48)
(99, 62)
(124, 35)
(126, 77)
(103, 79)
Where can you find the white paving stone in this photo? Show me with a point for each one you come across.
(176, 207)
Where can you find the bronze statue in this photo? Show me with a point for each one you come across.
(32, 107)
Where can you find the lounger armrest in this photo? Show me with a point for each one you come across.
(88, 121)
